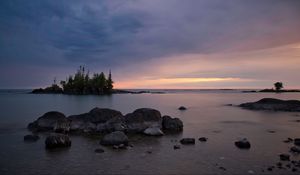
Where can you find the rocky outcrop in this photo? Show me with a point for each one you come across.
(57, 141)
(172, 124)
(48, 121)
(273, 105)
(114, 138)
(102, 120)
(243, 144)
(142, 119)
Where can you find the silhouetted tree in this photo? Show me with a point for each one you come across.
(278, 86)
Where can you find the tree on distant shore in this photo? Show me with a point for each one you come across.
(278, 86)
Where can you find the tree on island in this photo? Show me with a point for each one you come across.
(278, 86)
(81, 84)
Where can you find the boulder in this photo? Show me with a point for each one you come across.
(99, 150)
(102, 115)
(284, 157)
(202, 139)
(297, 141)
(78, 122)
(172, 124)
(243, 144)
(153, 131)
(142, 119)
(47, 121)
(187, 141)
(273, 105)
(57, 141)
(176, 147)
(114, 124)
(31, 138)
(295, 149)
(114, 138)
(182, 108)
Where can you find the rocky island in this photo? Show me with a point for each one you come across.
(273, 104)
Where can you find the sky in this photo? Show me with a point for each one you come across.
(190, 44)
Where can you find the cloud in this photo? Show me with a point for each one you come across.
(115, 33)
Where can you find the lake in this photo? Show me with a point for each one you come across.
(207, 116)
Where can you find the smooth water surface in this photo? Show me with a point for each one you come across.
(207, 116)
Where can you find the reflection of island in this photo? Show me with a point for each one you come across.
(81, 84)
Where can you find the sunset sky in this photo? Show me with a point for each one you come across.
(152, 43)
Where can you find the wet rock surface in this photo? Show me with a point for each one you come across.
(243, 144)
(57, 141)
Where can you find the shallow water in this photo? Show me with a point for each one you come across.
(207, 116)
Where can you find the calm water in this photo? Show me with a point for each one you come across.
(206, 116)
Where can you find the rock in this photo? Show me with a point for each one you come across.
(142, 119)
(284, 157)
(182, 108)
(62, 126)
(202, 139)
(114, 138)
(176, 146)
(98, 120)
(187, 141)
(31, 138)
(47, 122)
(57, 141)
(288, 140)
(243, 144)
(295, 149)
(99, 150)
(297, 141)
(273, 105)
(153, 131)
(172, 124)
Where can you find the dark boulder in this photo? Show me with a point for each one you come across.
(243, 144)
(284, 157)
(297, 141)
(295, 149)
(273, 105)
(47, 122)
(142, 119)
(182, 108)
(102, 115)
(202, 139)
(99, 150)
(57, 141)
(187, 141)
(114, 138)
(172, 124)
(31, 138)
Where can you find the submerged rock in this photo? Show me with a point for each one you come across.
(176, 147)
(172, 124)
(297, 141)
(57, 141)
(288, 140)
(284, 157)
(114, 138)
(31, 138)
(142, 119)
(243, 144)
(295, 149)
(153, 131)
(182, 108)
(99, 150)
(202, 139)
(187, 141)
(273, 105)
